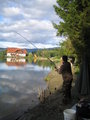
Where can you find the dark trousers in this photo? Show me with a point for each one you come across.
(67, 89)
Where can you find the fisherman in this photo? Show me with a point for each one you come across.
(65, 70)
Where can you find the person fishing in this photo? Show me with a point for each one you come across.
(65, 70)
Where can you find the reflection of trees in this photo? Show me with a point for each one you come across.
(45, 63)
(2, 60)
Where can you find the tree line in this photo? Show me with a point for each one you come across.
(75, 24)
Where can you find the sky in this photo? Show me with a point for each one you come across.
(30, 18)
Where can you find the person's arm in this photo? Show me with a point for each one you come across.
(60, 70)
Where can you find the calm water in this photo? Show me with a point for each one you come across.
(19, 85)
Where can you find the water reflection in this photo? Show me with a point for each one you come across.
(45, 63)
(19, 83)
(15, 61)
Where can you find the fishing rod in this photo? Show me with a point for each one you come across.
(35, 47)
(26, 39)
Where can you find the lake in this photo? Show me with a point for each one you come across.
(19, 84)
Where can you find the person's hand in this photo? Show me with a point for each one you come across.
(56, 68)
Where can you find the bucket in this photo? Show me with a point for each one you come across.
(69, 114)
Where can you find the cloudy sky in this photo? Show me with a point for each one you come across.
(32, 19)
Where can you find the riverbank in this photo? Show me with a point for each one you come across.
(51, 107)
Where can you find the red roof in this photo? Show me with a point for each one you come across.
(16, 50)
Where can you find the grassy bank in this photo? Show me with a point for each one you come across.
(54, 81)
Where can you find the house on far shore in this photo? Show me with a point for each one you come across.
(16, 52)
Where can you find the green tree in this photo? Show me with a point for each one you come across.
(2, 55)
(66, 48)
(75, 24)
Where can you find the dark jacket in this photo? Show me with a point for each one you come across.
(65, 70)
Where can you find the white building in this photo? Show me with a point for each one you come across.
(16, 52)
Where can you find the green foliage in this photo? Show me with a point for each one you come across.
(66, 48)
(2, 55)
(49, 53)
(39, 53)
(76, 70)
(47, 78)
(75, 24)
(45, 63)
(30, 57)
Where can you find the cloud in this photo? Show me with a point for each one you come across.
(5, 76)
(31, 18)
(5, 35)
(11, 11)
(26, 45)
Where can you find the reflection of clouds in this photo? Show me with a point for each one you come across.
(30, 67)
(23, 97)
(19, 85)
(9, 99)
(23, 82)
(3, 66)
(28, 91)
(15, 92)
(6, 77)
(10, 85)
(37, 68)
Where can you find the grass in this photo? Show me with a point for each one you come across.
(76, 70)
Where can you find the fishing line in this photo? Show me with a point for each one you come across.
(35, 47)
(26, 39)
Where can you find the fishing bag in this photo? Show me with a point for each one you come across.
(83, 109)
